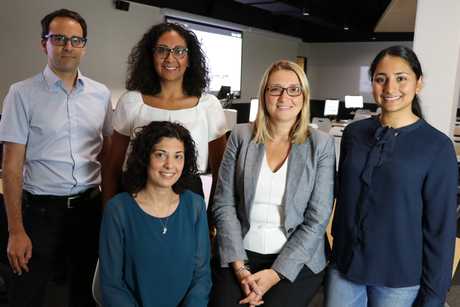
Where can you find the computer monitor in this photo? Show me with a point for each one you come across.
(223, 92)
(243, 109)
(331, 107)
(253, 109)
(354, 102)
(316, 108)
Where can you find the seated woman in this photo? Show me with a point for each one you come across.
(273, 200)
(154, 242)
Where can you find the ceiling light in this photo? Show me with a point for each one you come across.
(346, 28)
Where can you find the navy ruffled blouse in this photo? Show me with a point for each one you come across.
(395, 217)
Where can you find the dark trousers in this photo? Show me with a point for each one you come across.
(226, 290)
(59, 235)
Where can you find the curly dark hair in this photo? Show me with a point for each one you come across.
(142, 76)
(134, 178)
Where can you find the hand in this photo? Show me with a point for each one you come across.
(265, 280)
(19, 251)
(248, 287)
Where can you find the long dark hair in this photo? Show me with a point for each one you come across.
(134, 178)
(142, 76)
(410, 57)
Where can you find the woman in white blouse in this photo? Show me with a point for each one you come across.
(167, 75)
(273, 200)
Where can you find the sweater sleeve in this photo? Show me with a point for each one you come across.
(439, 227)
(111, 250)
(198, 292)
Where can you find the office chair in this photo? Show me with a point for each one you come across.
(322, 123)
(97, 286)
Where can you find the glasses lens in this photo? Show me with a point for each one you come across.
(162, 51)
(179, 52)
(294, 91)
(77, 42)
(275, 90)
(58, 40)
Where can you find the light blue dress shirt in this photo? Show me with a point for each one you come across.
(63, 132)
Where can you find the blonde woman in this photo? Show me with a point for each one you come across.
(273, 200)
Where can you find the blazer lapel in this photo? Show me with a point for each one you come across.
(253, 162)
(296, 166)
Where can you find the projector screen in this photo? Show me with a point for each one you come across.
(223, 48)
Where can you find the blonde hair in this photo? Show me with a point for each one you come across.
(299, 131)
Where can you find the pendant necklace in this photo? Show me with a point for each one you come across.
(164, 224)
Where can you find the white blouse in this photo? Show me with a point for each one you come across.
(266, 235)
(205, 121)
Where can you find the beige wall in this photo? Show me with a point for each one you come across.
(112, 33)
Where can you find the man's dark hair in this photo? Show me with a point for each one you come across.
(63, 13)
(135, 177)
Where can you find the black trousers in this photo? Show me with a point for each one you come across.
(226, 291)
(59, 235)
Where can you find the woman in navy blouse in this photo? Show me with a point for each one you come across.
(395, 220)
(154, 244)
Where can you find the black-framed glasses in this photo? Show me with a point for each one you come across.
(61, 40)
(163, 51)
(276, 90)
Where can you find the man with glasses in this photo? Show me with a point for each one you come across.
(56, 129)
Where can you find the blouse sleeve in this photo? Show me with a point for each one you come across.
(111, 245)
(198, 292)
(123, 116)
(215, 116)
(439, 227)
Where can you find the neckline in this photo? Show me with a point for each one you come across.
(143, 212)
(284, 164)
(174, 110)
(406, 128)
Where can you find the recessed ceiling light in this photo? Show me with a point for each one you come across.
(346, 28)
(306, 13)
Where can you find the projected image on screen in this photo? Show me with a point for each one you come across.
(222, 48)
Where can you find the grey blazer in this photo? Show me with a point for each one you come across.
(308, 199)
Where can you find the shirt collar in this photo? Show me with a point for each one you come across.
(54, 81)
